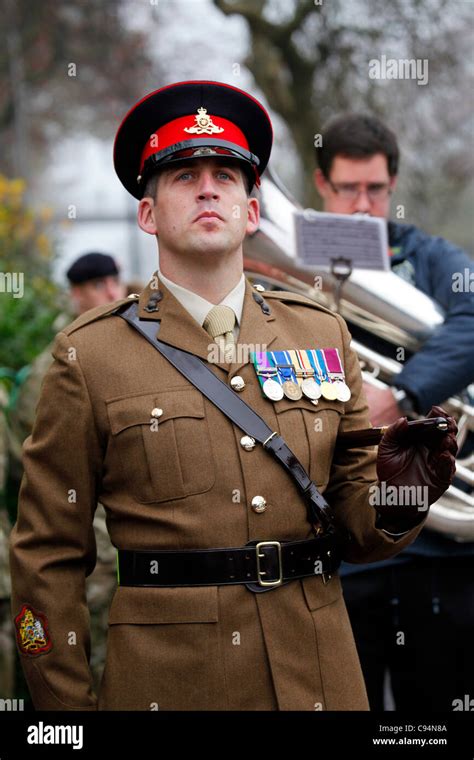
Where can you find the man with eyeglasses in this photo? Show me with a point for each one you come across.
(412, 615)
(358, 167)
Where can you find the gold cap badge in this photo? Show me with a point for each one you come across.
(204, 125)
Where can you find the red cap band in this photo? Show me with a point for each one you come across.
(174, 131)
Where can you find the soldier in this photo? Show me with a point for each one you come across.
(228, 596)
(94, 280)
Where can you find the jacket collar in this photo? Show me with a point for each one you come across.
(178, 328)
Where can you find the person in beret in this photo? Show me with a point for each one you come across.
(94, 280)
(221, 602)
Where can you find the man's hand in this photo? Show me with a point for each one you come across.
(427, 470)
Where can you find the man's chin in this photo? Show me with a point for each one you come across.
(211, 244)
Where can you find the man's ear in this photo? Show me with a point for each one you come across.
(321, 183)
(393, 183)
(253, 215)
(145, 215)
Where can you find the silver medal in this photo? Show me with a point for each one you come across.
(272, 390)
(343, 391)
(311, 388)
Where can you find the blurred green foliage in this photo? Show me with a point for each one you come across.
(26, 322)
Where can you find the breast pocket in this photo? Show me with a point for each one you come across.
(164, 444)
(310, 430)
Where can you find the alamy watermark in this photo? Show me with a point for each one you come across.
(232, 353)
(12, 705)
(381, 494)
(463, 282)
(399, 68)
(12, 282)
(46, 734)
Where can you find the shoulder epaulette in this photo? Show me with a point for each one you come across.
(92, 315)
(286, 295)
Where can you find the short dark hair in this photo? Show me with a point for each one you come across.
(356, 135)
(151, 183)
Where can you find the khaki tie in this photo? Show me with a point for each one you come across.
(219, 323)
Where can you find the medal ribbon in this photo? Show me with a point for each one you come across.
(289, 360)
(260, 362)
(278, 359)
(293, 358)
(317, 364)
(333, 362)
(305, 361)
(321, 361)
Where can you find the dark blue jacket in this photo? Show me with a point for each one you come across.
(445, 363)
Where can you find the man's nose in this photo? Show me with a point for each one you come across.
(362, 203)
(207, 187)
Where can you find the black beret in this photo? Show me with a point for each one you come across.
(191, 120)
(90, 267)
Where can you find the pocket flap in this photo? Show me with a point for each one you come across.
(318, 594)
(137, 410)
(305, 403)
(190, 604)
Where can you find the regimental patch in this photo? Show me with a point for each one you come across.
(32, 632)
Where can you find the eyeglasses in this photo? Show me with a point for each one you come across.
(348, 191)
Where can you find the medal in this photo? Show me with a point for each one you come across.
(343, 391)
(318, 373)
(328, 389)
(285, 372)
(271, 384)
(292, 390)
(311, 388)
(295, 391)
(272, 390)
(264, 373)
(336, 373)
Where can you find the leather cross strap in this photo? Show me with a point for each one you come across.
(241, 414)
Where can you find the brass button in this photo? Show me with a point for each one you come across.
(156, 412)
(237, 383)
(247, 442)
(259, 504)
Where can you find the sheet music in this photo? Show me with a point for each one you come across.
(321, 237)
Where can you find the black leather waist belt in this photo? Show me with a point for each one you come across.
(260, 565)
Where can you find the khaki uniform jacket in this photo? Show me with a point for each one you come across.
(187, 485)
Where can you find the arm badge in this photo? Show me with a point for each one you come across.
(32, 632)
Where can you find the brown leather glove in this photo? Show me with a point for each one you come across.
(428, 469)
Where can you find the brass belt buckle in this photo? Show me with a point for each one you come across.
(260, 572)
